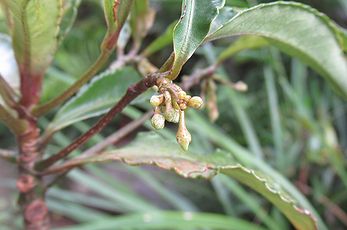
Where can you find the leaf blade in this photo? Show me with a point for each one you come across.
(95, 98)
(298, 30)
(192, 28)
(152, 149)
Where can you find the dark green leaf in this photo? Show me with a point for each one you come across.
(297, 30)
(192, 28)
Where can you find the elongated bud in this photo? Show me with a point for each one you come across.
(195, 102)
(156, 100)
(158, 121)
(183, 136)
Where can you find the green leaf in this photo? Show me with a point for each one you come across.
(245, 42)
(34, 28)
(166, 220)
(191, 29)
(96, 98)
(160, 42)
(297, 30)
(150, 148)
(70, 8)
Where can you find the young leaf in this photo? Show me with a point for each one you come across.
(150, 148)
(191, 29)
(95, 98)
(34, 33)
(297, 30)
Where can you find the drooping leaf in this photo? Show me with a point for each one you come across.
(297, 30)
(34, 28)
(96, 98)
(191, 29)
(150, 148)
(167, 219)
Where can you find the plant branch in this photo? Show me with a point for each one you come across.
(86, 77)
(132, 92)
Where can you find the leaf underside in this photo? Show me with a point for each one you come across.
(150, 148)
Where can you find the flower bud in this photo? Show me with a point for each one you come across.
(183, 136)
(156, 100)
(172, 115)
(181, 95)
(158, 121)
(195, 102)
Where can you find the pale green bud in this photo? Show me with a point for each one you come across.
(183, 136)
(195, 102)
(156, 100)
(158, 121)
(172, 115)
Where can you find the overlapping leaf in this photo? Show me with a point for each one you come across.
(192, 28)
(297, 30)
(150, 148)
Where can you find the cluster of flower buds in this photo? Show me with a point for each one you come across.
(169, 105)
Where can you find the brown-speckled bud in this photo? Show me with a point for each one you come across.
(183, 136)
(195, 102)
(158, 121)
(156, 100)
